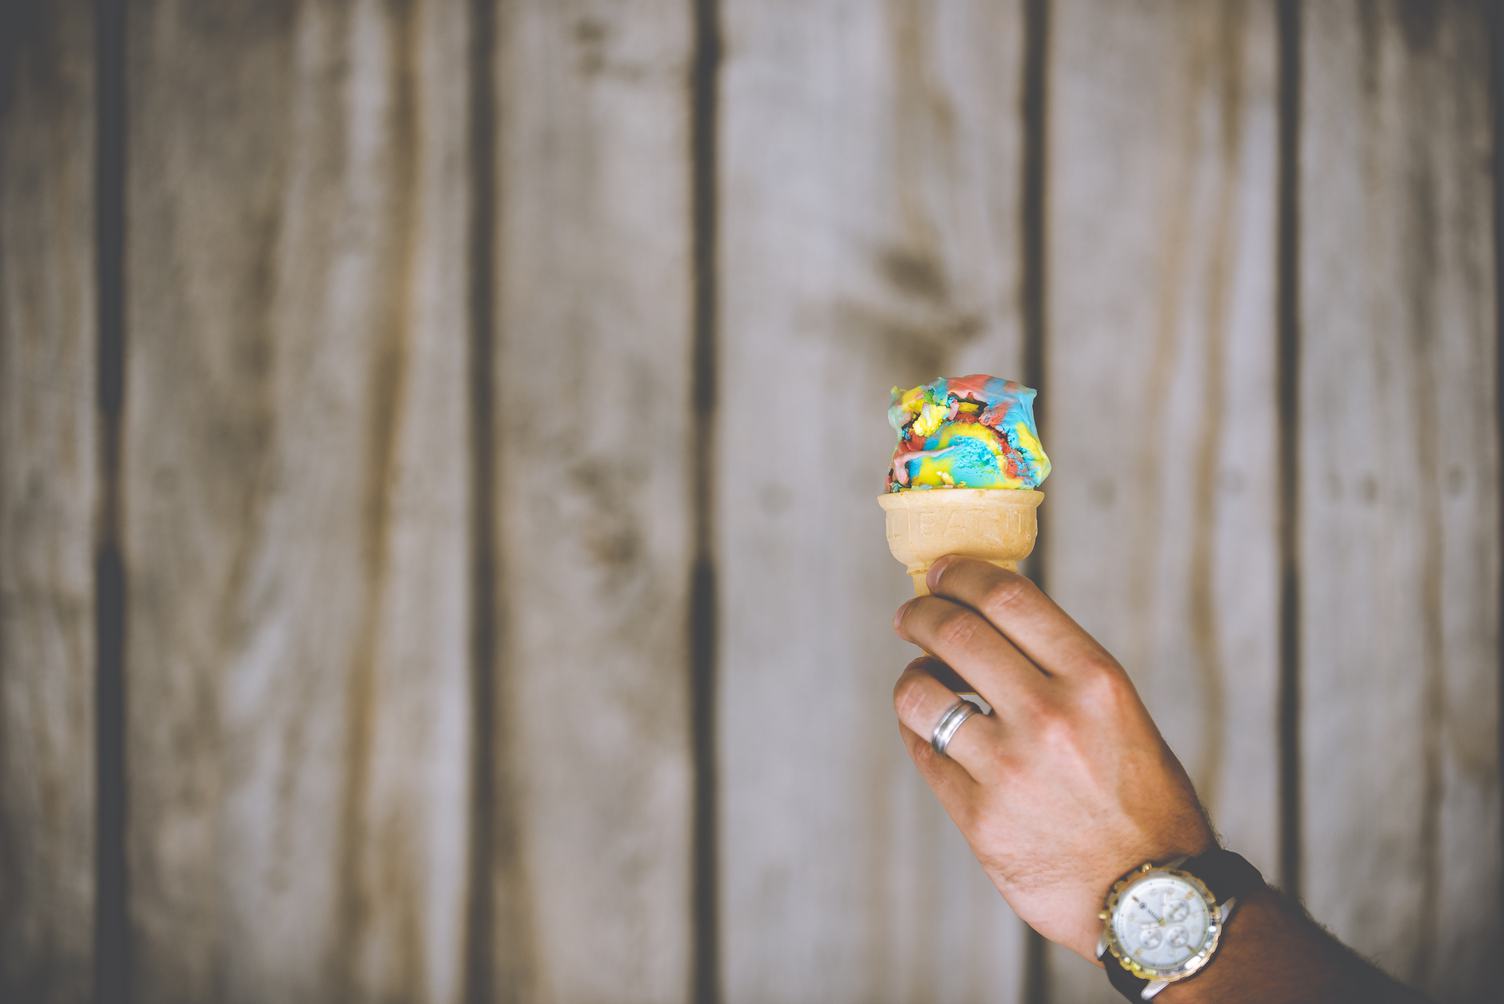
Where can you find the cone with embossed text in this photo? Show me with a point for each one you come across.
(995, 524)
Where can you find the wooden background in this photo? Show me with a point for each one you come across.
(438, 447)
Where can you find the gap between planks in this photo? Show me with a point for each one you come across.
(112, 971)
(1287, 365)
(705, 976)
(1033, 236)
(480, 908)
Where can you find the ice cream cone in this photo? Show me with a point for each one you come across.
(995, 524)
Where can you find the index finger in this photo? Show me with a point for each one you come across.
(1021, 611)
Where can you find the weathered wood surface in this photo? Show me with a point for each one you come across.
(296, 498)
(1160, 374)
(869, 234)
(304, 499)
(1399, 504)
(592, 501)
(48, 490)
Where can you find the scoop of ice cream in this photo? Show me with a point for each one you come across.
(965, 432)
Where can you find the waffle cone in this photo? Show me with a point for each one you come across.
(995, 524)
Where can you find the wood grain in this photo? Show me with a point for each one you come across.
(592, 495)
(296, 501)
(1161, 385)
(299, 494)
(1399, 503)
(48, 490)
(870, 232)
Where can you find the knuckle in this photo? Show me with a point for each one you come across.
(1029, 705)
(907, 693)
(1054, 727)
(957, 628)
(1103, 684)
(998, 762)
(1007, 591)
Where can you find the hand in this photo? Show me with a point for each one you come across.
(1068, 784)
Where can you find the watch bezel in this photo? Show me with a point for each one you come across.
(1190, 966)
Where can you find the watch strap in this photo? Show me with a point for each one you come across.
(1227, 874)
(1124, 982)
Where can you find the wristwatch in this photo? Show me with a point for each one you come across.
(1162, 923)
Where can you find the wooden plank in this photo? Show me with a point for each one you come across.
(870, 233)
(1161, 388)
(1399, 502)
(48, 490)
(296, 501)
(592, 501)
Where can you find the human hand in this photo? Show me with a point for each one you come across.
(1068, 784)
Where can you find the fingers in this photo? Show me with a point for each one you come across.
(1021, 611)
(953, 787)
(921, 701)
(964, 640)
(948, 677)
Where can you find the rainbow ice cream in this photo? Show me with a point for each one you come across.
(959, 441)
(965, 432)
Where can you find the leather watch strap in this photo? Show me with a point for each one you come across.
(1228, 875)
(1124, 982)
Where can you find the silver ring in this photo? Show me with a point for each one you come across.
(955, 716)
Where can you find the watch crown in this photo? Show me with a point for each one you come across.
(1103, 915)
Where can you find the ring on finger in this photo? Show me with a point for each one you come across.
(950, 723)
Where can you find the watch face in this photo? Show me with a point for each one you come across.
(1164, 922)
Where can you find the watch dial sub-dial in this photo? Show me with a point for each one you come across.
(1161, 922)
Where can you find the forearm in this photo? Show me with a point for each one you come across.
(1273, 953)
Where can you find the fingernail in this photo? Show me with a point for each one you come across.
(898, 617)
(933, 575)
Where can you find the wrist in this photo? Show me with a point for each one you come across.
(1109, 871)
(1164, 922)
(1256, 919)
